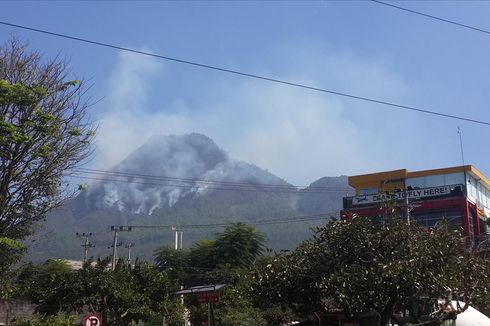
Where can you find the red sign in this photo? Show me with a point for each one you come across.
(207, 297)
(92, 320)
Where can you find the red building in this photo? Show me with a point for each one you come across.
(460, 195)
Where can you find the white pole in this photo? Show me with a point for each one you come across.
(114, 250)
(176, 240)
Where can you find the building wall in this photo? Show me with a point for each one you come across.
(469, 209)
(12, 309)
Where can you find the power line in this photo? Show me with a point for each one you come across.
(302, 218)
(165, 178)
(477, 29)
(103, 179)
(203, 181)
(250, 75)
(49, 235)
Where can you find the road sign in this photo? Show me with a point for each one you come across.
(92, 320)
(207, 297)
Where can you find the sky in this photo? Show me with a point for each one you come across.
(356, 47)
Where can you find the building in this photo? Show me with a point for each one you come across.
(460, 195)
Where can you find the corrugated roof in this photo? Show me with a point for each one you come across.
(201, 288)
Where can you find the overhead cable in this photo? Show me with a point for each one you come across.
(221, 188)
(201, 181)
(448, 21)
(250, 75)
(256, 222)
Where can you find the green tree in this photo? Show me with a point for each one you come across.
(233, 309)
(120, 296)
(213, 261)
(48, 285)
(125, 294)
(202, 255)
(171, 261)
(239, 245)
(44, 132)
(359, 266)
(223, 260)
(58, 320)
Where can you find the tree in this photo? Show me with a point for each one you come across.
(125, 294)
(59, 320)
(239, 245)
(47, 285)
(232, 309)
(44, 132)
(359, 266)
(202, 255)
(120, 296)
(211, 261)
(171, 261)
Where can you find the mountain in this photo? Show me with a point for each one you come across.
(184, 180)
(190, 161)
(315, 201)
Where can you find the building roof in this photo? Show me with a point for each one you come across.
(374, 178)
(201, 288)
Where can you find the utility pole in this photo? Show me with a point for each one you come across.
(114, 252)
(180, 243)
(86, 245)
(178, 238)
(128, 246)
(407, 207)
(117, 229)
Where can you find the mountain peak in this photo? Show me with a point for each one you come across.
(168, 168)
(184, 156)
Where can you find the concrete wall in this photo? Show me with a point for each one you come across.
(11, 309)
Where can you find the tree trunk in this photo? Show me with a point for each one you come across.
(385, 315)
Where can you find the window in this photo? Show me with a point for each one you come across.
(430, 218)
(368, 191)
(453, 179)
(434, 180)
(471, 188)
(416, 182)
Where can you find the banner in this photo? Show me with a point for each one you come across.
(411, 194)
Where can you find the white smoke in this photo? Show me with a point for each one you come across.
(296, 134)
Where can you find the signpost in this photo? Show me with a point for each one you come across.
(92, 320)
(209, 294)
(207, 297)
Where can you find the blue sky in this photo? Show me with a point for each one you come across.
(356, 47)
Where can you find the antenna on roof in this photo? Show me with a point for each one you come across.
(461, 144)
(465, 188)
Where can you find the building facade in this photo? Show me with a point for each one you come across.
(459, 195)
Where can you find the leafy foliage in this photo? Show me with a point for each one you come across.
(238, 245)
(7, 242)
(48, 285)
(213, 261)
(223, 260)
(120, 296)
(358, 266)
(58, 320)
(39, 109)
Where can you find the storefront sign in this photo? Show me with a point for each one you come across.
(411, 194)
(207, 297)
